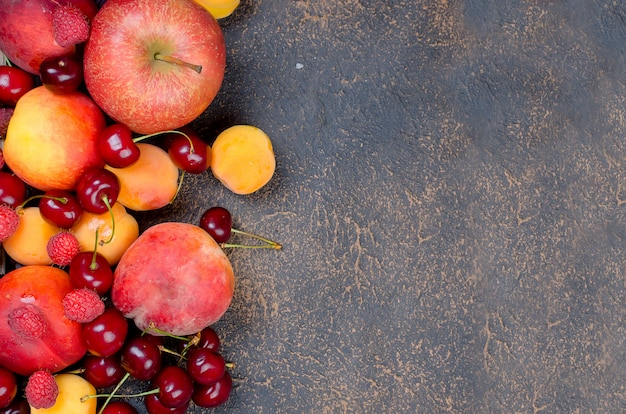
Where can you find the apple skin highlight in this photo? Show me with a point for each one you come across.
(134, 87)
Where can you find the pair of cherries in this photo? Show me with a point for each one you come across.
(187, 150)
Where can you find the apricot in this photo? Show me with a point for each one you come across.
(174, 277)
(34, 332)
(72, 389)
(219, 8)
(28, 245)
(243, 159)
(51, 138)
(150, 183)
(126, 232)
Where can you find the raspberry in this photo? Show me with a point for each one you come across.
(9, 221)
(82, 305)
(62, 247)
(41, 390)
(70, 26)
(5, 116)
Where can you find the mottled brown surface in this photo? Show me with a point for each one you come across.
(451, 196)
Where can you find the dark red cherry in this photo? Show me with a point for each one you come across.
(213, 395)
(205, 366)
(18, 406)
(154, 406)
(14, 83)
(103, 372)
(12, 189)
(8, 387)
(91, 272)
(218, 222)
(61, 74)
(105, 335)
(175, 386)
(119, 407)
(189, 153)
(116, 146)
(97, 190)
(209, 339)
(141, 358)
(61, 208)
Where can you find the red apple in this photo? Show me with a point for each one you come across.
(154, 65)
(175, 277)
(26, 30)
(34, 332)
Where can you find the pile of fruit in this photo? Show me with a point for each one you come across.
(96, 104)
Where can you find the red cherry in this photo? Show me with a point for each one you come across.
(61, 74)
(209, 339)
(205, 366)
(18, 406)
(91, 272)
(154, 406)
(103, 372)
(8, 387)
(116, 146)
(14, 83)
(189, 153)
(213, 395)
(175, 386)
(61, 208)
(141, 358)
(97, 190)
(119, 407)
(105, 335)
(12, 189)
(218, 222)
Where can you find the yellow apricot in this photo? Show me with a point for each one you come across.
(72, 388)
(243, 159)
(219, 8)
(126, 232)
(28, 245)
(150, 183)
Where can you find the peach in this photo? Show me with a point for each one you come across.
(126, 232)
(243, 159)
(51, 138)
(28, 245)
(150, 183)
(72, 389)
(174, 277)
(34, 332)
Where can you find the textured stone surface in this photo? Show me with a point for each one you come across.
(451, 196)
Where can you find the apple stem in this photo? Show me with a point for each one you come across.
(176, 61)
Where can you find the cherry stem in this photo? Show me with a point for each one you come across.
(269, 244)
(173, 131)
(105, 200)
(176, 61)
(152, 327)
(180, 185)
(63, 200)
(109, 396)
(93, 265)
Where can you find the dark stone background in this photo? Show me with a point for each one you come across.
(451, 196)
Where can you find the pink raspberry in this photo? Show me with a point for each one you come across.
(70, 25)
(9, 222)
(41, 390)
(82, 305)
(62, 247)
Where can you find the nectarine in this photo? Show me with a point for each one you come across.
(34, 333)
(174, 277)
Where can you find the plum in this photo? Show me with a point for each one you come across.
(175, 278)
(34, 332)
